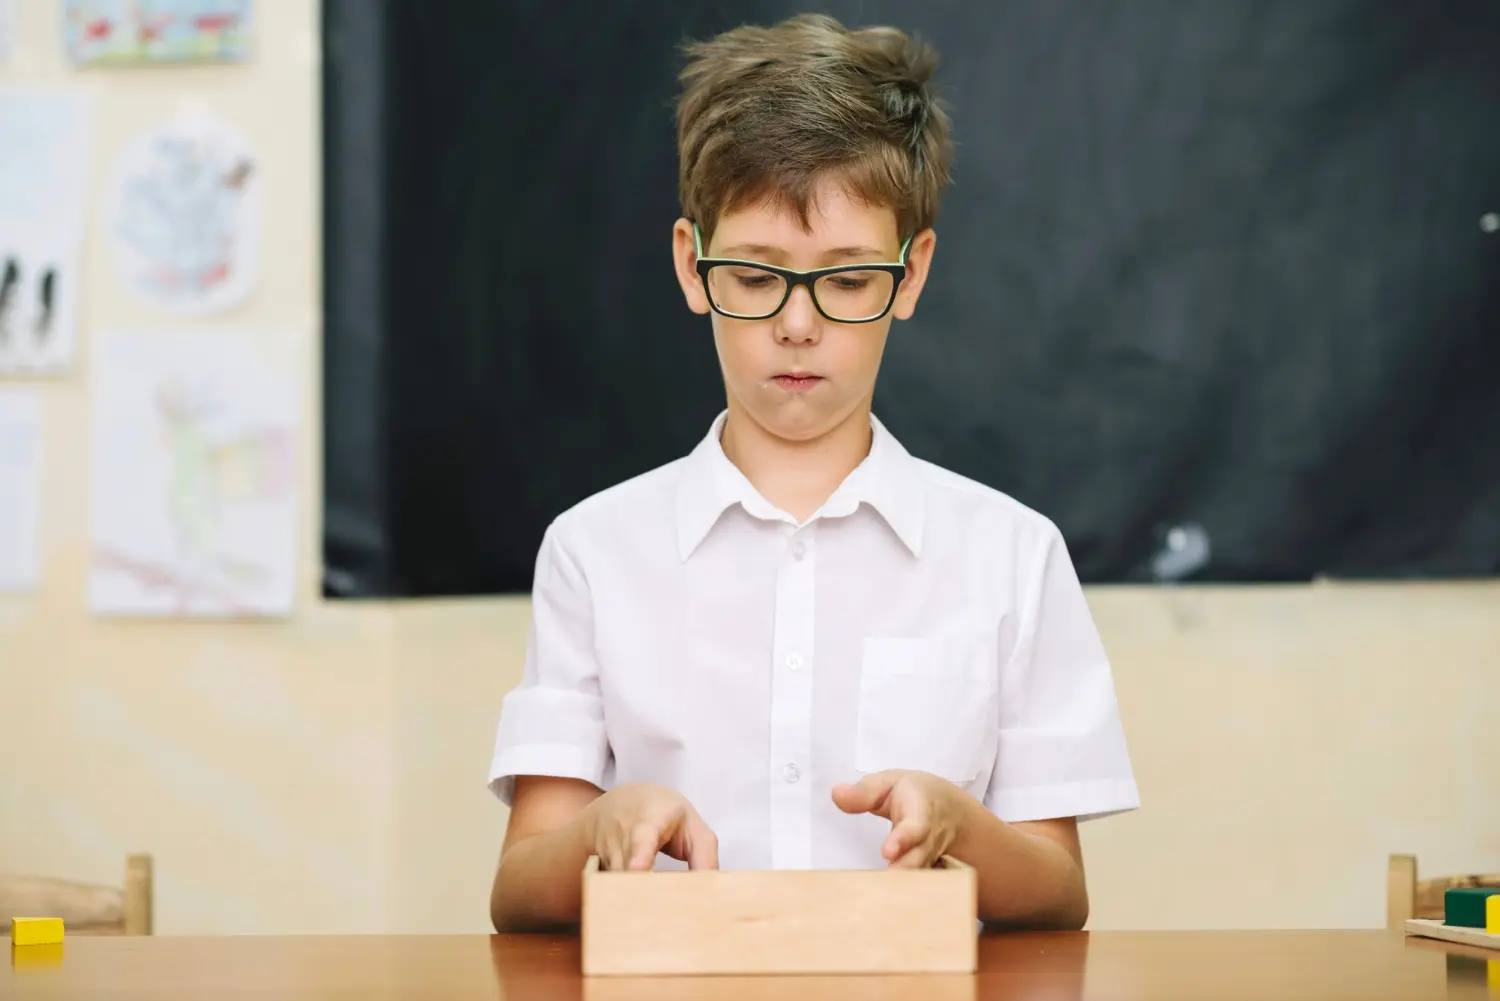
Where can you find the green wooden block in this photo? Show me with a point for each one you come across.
(1464, 906)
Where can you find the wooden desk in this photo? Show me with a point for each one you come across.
(1152, 966)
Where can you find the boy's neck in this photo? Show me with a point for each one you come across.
(796, 476)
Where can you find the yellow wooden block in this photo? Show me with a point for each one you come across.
(36, 957)
(36, 931)
(1492, 914)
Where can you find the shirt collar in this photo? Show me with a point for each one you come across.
(887, 480)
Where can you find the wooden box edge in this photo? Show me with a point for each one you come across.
(593, 869)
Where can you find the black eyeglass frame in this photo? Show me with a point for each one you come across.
(897, 271)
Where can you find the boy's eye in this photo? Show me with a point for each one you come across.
(848, 283)
(753, 281)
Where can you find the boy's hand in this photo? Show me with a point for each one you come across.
(925, 813)
(628, 825)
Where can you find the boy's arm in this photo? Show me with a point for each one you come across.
(551, 750)
(556, 824)
(551, 765)
(1030, 873)
(1062, 756)
(538, 883)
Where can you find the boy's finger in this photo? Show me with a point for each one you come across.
(903, 838)
(611, 855)
(922, 855)
(868, 795)
(645, 840)
(703, 845)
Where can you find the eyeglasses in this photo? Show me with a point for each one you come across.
(847, 293)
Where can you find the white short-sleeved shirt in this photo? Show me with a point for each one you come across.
(687, 632)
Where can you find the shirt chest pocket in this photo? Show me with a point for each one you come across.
(929, 704)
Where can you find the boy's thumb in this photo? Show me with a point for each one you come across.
(863, 796)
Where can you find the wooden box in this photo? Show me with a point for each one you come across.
(697, 923)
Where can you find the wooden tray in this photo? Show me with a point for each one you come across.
(686, 923)
(1452, 933)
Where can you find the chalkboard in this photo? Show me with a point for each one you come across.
(1216, 289)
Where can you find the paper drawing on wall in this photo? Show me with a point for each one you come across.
(194, 509)
(185, 216)
(20, 487)
(43, 193)
(30, 298)
(7, 28)
(113, 32)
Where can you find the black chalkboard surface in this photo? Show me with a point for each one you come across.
(1216, 288)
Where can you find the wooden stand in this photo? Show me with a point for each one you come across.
(780, 922)
(1428, 928)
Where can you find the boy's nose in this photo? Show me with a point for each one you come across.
(797, 323)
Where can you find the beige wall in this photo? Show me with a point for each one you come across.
(326, 774)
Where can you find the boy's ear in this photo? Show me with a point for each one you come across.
(918, 264)
(685, 257)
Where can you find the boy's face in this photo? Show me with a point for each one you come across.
(797, 374)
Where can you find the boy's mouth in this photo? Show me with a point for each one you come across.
(797, 382)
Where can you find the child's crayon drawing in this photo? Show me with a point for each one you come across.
(194, 510)
(186, 216)
(156, 31)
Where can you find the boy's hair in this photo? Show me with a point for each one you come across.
(767, 113)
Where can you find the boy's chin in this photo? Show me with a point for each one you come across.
(801, 420)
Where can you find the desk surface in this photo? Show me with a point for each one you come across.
(1367, 965)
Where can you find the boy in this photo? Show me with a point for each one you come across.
(799, 646)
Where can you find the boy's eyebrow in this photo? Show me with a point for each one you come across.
(857, 252)
(765, 250)
(749, 250)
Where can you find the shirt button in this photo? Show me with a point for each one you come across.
(794, 661)
(790, 773)
(798, 550)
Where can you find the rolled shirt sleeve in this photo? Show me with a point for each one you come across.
(552, 723)
(1062, 750)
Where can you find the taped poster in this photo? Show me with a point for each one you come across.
(186, 215)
